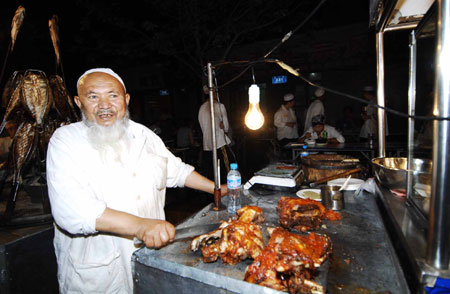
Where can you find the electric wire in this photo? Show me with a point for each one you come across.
(290, 33)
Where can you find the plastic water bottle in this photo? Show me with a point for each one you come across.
(234, 190)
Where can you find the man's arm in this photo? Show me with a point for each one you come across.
(304, 137)
(154, 233)
(201, 183)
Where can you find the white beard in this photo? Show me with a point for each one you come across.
(109, 138)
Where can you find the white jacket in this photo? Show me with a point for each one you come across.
(280, 118)
(204, 119)
(81, 186)
(315, 108)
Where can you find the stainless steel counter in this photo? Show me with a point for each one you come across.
(408, 231)
(363, 258)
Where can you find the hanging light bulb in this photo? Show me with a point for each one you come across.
(254, 118)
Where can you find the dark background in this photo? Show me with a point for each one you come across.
(165, 45)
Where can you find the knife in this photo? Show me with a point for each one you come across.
(188, 232)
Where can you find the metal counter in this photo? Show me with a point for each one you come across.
(363, 259)
(408, 232)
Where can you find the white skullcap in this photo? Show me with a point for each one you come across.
(106, 71)
(369, 89)
(288, 97)
(319, 92)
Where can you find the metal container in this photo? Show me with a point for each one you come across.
(391, 172)
(332, 198)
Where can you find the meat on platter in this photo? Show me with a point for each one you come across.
(288, 262)
(234, 240)
(303, 214)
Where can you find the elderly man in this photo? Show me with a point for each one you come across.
(285, 121)
(107, 178)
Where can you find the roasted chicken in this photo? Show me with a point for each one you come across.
(303, 214)
(288, 261)
(234, 240)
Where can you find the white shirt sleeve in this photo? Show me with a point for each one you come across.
(278, 120)
(224, 118)
(333, 133)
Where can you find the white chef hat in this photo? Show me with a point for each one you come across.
(288, 97)
(369, 89)
(319, 92)
(106, 71)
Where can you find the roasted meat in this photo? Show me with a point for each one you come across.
(240, 241)
(234, 240)
(288, 261)
(303, 214)
(250, 214)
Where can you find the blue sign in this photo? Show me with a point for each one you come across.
(163, 92)
(279, 80)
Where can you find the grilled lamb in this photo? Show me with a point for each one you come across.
(303, 214)
(234, 240)
(288, 261)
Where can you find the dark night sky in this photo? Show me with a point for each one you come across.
(85, 38)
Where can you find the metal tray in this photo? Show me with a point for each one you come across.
(177, 259)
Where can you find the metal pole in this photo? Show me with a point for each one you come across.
(439, 221)
(380, 95)
(411, 110)
(217, 194)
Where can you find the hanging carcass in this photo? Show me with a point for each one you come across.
(38, 106)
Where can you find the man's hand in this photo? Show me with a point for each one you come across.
(155, 233)
(221, 125)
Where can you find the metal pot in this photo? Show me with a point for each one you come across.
(391, 172)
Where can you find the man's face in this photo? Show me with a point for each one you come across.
(318, 128)
(368, 95)
(102, 98)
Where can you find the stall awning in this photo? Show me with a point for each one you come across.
(387, 15)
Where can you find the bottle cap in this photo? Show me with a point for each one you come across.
(233, 165)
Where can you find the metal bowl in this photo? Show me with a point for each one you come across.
(391, 172)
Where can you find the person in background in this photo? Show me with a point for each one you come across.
(285, 121)
(223, 141)
(321, 130)
(349, 125)
(315, 108)
(107, 178)
(185, 134)
(369, 115)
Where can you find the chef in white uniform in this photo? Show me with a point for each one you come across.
(315, 108)
(285, 121)
(107, 178)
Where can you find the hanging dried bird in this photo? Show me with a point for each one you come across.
(36, 94)
(16, 24)
(30, 95)
(62, 101)
(54, 34)
(12, 93)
